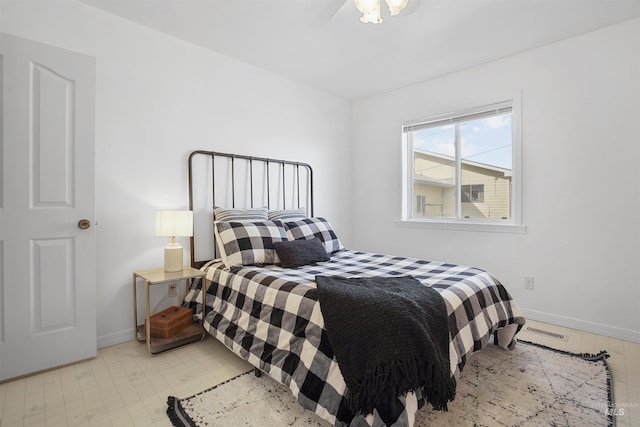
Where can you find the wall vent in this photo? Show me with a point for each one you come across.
(555, 335)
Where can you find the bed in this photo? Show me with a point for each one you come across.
(267, 310)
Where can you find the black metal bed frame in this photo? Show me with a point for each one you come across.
(249, 163)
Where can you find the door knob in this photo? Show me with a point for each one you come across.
(83, 224)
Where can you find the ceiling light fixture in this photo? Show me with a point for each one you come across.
(371, 9)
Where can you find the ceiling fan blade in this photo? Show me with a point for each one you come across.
(345, 9)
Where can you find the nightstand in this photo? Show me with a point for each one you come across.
(158, 276)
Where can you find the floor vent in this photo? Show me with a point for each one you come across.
(555, 335)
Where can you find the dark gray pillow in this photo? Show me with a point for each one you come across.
(296, 253)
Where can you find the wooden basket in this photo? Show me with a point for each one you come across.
(170, 321)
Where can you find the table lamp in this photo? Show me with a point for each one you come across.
(173, 224)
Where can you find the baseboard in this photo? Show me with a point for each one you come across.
(567, 322)
(581, 325)
(115, 338)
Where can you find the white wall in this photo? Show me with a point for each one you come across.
(581, 163)
(157, 99)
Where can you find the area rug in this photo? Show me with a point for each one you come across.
(528, 386)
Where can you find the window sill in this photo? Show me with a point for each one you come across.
(464, 226)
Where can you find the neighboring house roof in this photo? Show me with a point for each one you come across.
(432, 181)
(504, 171)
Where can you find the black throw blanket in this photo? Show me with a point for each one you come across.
(389, 335)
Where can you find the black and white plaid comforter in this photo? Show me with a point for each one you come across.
(270, 317)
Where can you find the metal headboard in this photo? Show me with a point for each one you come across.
(247, 182)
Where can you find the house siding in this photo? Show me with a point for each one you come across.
(434, 179)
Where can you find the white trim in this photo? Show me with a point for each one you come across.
(516, 182)
(457, 199)
(463, 226)
(582, 325)
(407, 178)
(115, 338)
(494, 225)
(567, 322)
(459, 116)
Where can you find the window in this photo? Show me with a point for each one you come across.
(472, 193)
(421, 203)
(461, 166)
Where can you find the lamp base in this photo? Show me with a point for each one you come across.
(173, 258)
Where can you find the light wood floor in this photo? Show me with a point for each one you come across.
(123, 386)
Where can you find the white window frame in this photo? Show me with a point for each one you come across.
(512, 225)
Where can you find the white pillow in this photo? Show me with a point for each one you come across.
(253, 214)
(287, 214)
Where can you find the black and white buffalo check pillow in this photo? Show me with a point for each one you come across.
(249, 243)
(315, 227)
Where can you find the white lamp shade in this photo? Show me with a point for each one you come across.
(367, 6)
(395, 6)
(174, 223)
(370, 10)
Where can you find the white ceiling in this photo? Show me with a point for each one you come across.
(323, 44)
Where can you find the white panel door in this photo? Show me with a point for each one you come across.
(47, 262)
